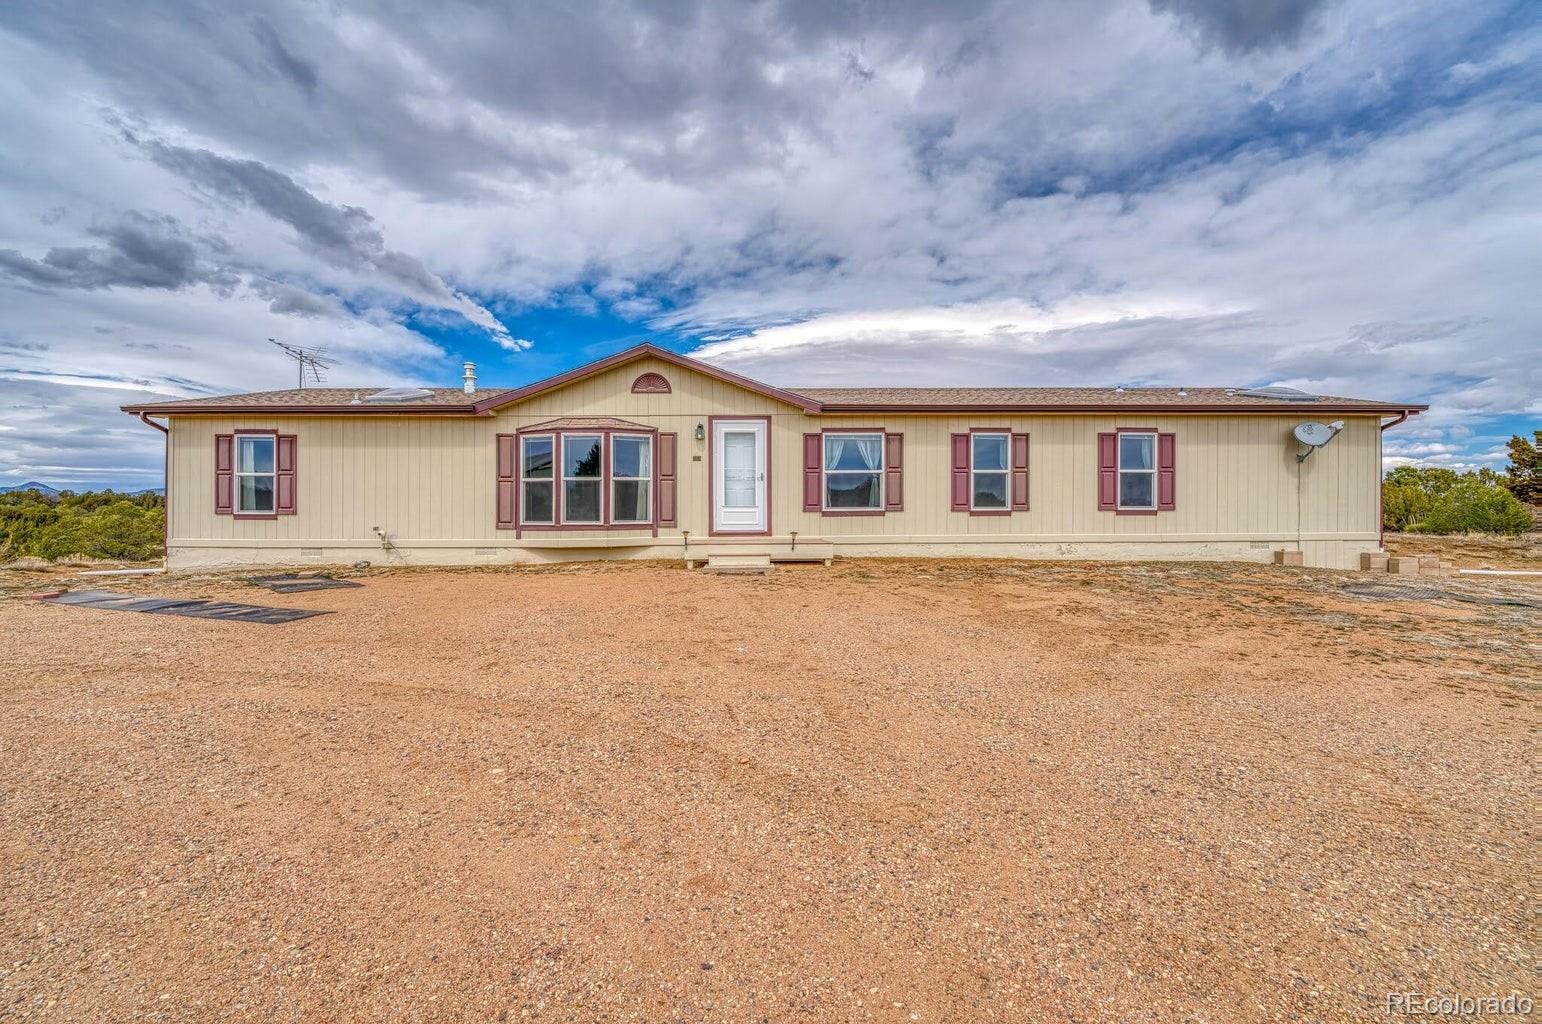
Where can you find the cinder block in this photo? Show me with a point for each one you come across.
(1374, 561)
(1289, 558)
(1403, 565)
(1429, 561)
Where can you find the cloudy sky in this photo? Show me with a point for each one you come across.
(1339, 195)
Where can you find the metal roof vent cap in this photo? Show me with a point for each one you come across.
(1280, 394)
(390, 395)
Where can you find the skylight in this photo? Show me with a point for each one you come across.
(400, 395)
(1279, 394)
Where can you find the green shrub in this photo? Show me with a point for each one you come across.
(1473, 506)
(1433, 499)
(1403, 505)
(97, 524)
(23, 517)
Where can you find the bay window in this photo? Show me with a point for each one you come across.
(592, 478)
(853, 472)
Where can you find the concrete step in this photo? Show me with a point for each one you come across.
(738, 565)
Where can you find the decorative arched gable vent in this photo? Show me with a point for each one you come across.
(651, 384)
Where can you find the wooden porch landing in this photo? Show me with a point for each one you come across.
(751, 556)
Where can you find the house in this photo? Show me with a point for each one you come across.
(650, 454)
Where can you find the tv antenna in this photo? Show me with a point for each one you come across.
(310, 361)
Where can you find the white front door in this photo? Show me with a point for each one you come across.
(739, 476)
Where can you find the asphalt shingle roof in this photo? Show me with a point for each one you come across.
(455, 401)
(306, 398)
(1070, 398)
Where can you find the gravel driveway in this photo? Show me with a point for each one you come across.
(886, 791)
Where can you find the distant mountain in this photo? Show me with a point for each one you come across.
(31, 485)
(53, 492)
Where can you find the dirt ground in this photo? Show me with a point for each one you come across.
(888, 791)
(1471, 552)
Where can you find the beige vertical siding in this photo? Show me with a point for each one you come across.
(429, 481)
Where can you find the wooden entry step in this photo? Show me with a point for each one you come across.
(764, 553)
(738, 565)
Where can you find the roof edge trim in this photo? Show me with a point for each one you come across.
(1093, 407)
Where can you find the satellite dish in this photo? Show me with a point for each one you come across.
(1314, 435)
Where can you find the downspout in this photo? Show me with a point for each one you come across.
(1381, 522)
(144, 417)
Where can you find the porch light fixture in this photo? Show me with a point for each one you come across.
(701, 432)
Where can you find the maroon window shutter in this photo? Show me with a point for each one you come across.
(1108, 472)
(961, 472)
(894, 472)
(813, 463)
(507, 482)
(1019, 472)
(1167, 472)
(284, 450)
(224, 467)
(667, 485)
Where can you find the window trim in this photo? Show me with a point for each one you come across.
(1119, 471)
(559, 521)
(552, 481)
(825, 508)
(611, 477)
(1006, 471)
(236, 474)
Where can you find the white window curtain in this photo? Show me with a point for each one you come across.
(853, 471)
(854, 453)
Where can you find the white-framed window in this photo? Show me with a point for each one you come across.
(990, 482)
(631, 478)
(853, 472)
(255, 481)
(537, 484)
(1137, 471)
(583, 472)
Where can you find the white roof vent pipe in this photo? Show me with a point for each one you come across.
(471, 378)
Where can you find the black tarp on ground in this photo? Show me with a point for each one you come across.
(1394, 592)
(294, 583)
(110, 600)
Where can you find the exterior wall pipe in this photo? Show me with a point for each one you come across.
(1381, 521)
(144, 417)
